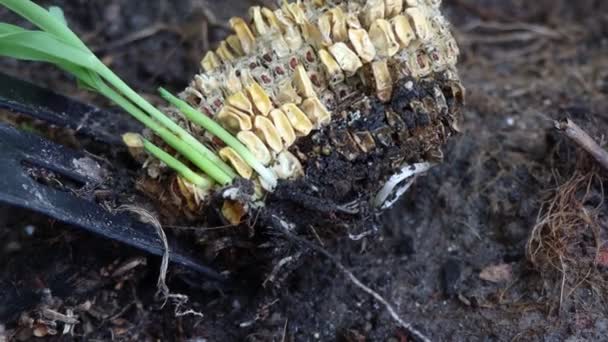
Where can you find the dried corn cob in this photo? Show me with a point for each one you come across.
(339, 98)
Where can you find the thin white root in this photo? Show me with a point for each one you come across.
(396, 186)
(287, 230)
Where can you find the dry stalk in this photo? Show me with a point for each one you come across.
(583, 140)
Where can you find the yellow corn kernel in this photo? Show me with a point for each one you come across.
(345, 57)
(299, 121)
(362, 44)
(266, 130)
(283, 126)
(255, 145)
(316, 112)
(238, 164)
(259, 98)
(383, 38)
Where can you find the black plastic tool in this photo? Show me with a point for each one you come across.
(28, 99)
(21, 152)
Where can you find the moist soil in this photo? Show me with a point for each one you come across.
(453, 256)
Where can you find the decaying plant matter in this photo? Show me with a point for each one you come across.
(341, 104)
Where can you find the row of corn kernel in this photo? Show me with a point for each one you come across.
(384, 39)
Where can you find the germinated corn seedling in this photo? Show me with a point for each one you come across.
(316, 115)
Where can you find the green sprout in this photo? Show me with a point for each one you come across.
(136, 140)
(55, 43)
(214, 128)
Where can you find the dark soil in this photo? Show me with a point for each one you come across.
(451, 255)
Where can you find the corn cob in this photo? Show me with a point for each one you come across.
(320, 82)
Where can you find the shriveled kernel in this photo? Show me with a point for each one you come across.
(372, 11)
(235, 44)
(383, 38)
(287, 166)
(224, 53)
(324, 24)
(392, 7)
(384, 82)
(294, 12)
(283, 126)
(135, 144)
(255, 145)
(312, 35)
(266, 130)
(286, 93)
(244, 34)
(233, 211)
(316, 112)
(279, 46)
(210, 61)
(246, 77)
(240, 101)
(240, 166)
(352, 22)
(193, 95)
(421, 23)
(403, 30)
(299, 121)
(339, 28)
(259, 24)
(362, 44)
(259, 97)
(345, 57)
(302, 83)
(271, 19)
(193, 194)
(332, 68)
(207, 84)
(233, 120)
(293, 38)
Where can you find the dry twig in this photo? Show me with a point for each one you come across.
(582, 139)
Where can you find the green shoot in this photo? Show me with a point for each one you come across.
(136, 140)
(171, 139)
(217, 130)
(58, 45)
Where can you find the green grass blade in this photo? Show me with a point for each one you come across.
(46, 43)
(57, 13)
(46, 21)
(8, 28)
